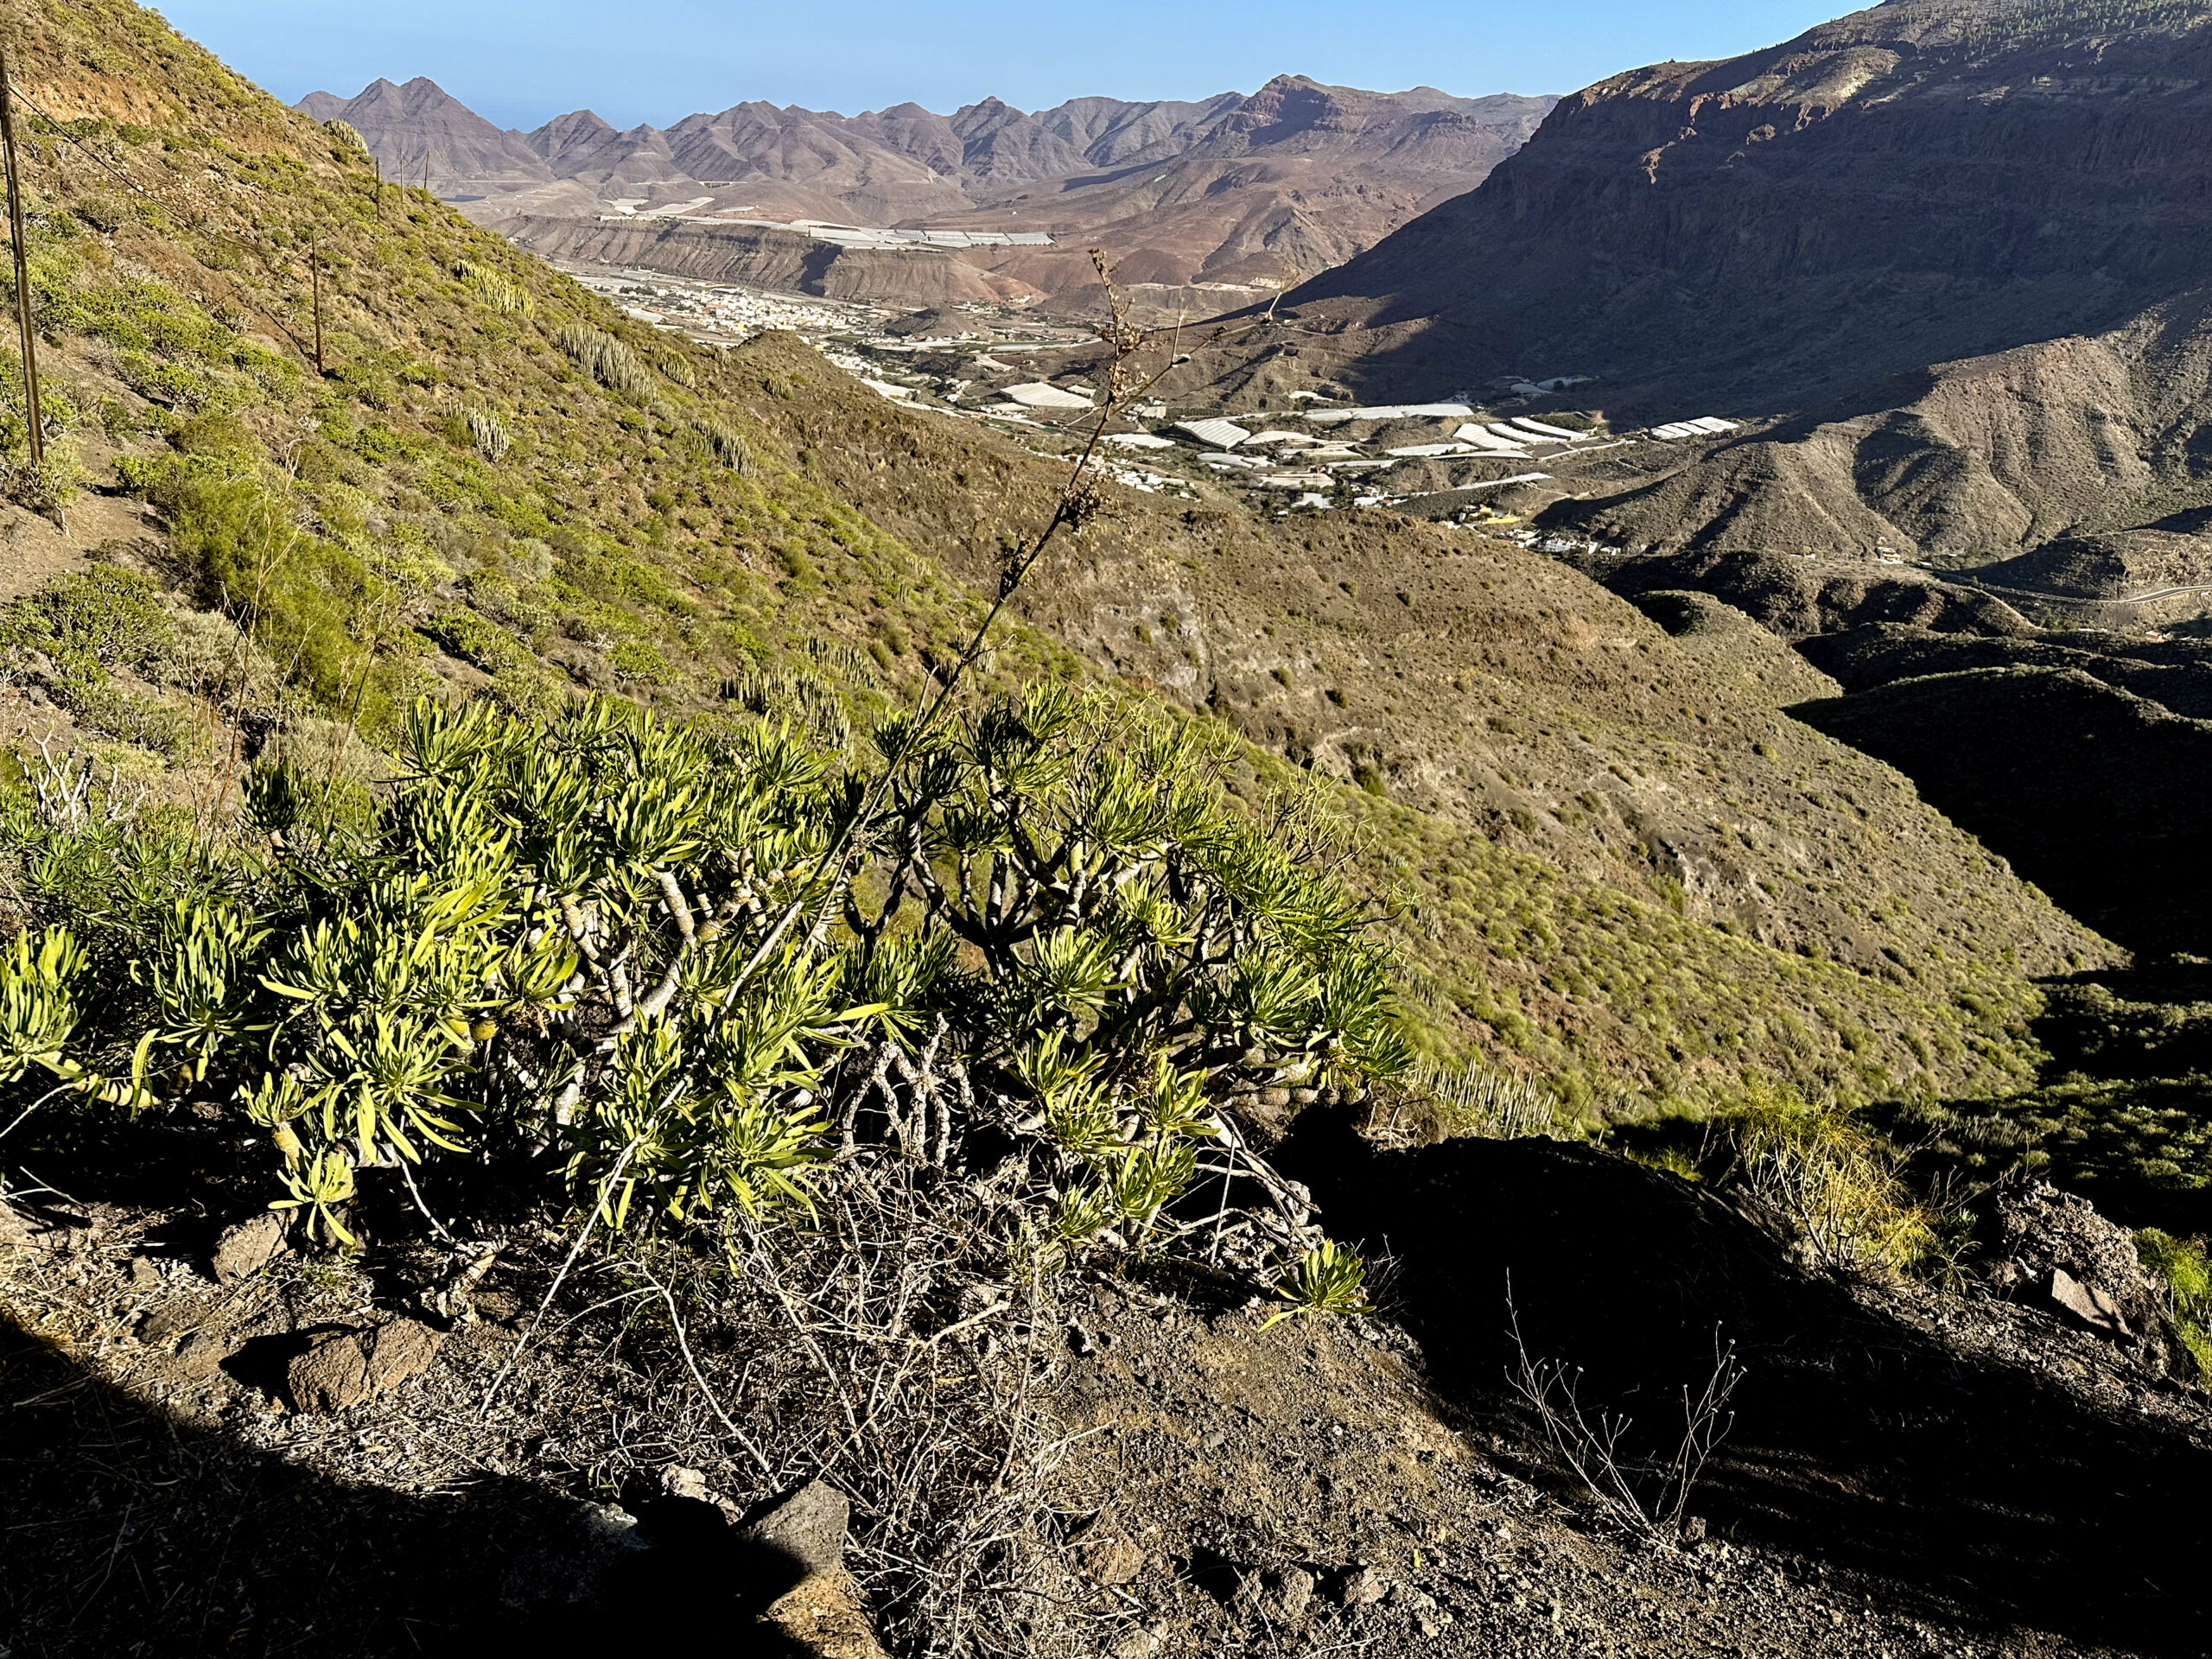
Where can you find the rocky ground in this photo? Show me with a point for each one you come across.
(220, 1441)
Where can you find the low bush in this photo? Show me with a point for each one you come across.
(2182, 1264)
(152, 723)
(89, 624)
(1829, 1182)
(689, 975)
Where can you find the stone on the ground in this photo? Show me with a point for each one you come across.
(822, 1616)
(330, 1377)
(808, 1527)
(252, 1245)
(1290, 1592)
(200, 1354)
(677, 1481)
(345, 1370)
(1112, 1560)
(1362, 1587)
(2053, 1250)
(2087, 1304)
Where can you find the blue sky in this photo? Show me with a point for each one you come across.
(520, 61)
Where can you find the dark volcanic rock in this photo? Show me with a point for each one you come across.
(1856, 204)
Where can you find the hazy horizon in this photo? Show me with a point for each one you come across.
(519, 65)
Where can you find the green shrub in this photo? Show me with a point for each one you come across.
(598, 932)
(2187, 1275)
(637, 662)
(1829, 1182)
(473, 640)
(91, 623)
(149, 722)
(300, 598)
(1327, 1280)
(47, 487)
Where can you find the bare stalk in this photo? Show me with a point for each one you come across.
(1647, 1495)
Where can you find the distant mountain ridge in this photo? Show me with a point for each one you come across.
(1952, 256)
(1261, 189)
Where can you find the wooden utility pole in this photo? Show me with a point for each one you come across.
(315, 276)
(33, 416)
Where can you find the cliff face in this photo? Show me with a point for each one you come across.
(1906, 186)
(1957, 248)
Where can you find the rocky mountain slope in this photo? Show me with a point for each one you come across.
(1947, 256)
(1605, 860)
(1232, 190)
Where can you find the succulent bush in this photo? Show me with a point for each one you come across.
(494, 291)
(608, 361)
(488, 433)
(688, 969)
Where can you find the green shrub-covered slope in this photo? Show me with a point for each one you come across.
(1605, 860)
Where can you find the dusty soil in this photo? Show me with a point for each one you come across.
(1910, 1473)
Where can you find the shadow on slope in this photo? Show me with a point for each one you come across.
(135, 1531)
(1859, 1438)
(2094, 793)
(2175, 674)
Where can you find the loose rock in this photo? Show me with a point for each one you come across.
(1289, 1593)
(677, 1481)
(1362, 1587)
(1113, 1560)
(202, 1352)
(345, 1370)
(823, 1616)
(2086, 1304)
(252, 1245)
(808, 1527)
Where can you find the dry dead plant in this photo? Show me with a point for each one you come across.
(900, 1345)
(1646, 1494)
(70, 795)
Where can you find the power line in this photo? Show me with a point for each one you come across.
(101, 162)
(33, 416)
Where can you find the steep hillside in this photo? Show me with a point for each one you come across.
(1948, 256)
(2090, 788)
(1233, 190)
(513, 1168)
(1621, 867)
